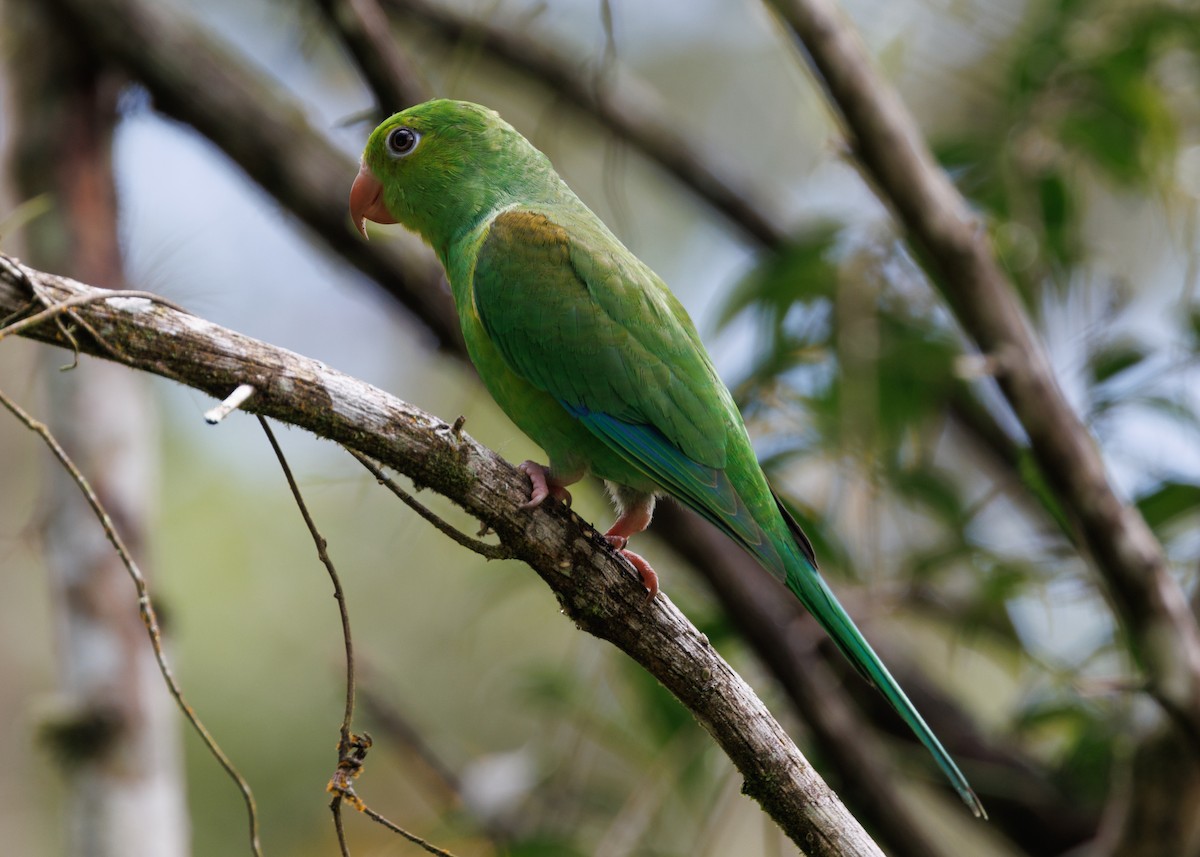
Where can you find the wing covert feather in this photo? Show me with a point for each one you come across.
(579, 317)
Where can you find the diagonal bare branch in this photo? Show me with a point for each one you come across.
(215, 111)
(170, 66)
(388, 70)
(631, 112)
(593, 586)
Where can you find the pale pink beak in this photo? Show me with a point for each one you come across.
(366, 201)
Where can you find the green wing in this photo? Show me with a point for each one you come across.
(578, 316)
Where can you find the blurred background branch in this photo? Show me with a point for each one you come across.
(111, 728)
(949, 238)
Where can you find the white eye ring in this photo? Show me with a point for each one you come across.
(401, 141)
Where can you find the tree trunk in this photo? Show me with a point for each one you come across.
(116, 732)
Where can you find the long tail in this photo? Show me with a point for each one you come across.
(801, 576)
(789, 555)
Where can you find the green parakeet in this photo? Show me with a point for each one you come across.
(590, 354)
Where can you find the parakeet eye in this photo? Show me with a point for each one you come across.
(402, 141)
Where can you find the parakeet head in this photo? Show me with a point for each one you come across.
(441, 166)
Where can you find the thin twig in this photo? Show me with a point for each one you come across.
(336, 809)
(231, 403)
(342, 786)
(146, 608)
(352, 749)
(482, 548)
(416, 840)
(15, 269)
(322, 554)
(350, 765)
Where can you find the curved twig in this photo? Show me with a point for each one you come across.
(145, 606)
(484, 549)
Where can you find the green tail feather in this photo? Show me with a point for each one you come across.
(805, 582)
(789, 555)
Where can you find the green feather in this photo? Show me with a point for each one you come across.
(586, 349)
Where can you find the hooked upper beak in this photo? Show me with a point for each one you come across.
(366, 201)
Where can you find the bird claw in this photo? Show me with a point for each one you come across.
(645, 571)
(542, 485)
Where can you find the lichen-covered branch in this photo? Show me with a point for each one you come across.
(595, 589)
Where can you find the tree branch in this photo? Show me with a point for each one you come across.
(955, 248)
(389, 71)
(845, 738)
(629, 111)
(594, 588)
(264, 133)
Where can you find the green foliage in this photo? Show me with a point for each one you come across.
(1115, 358)
(1083, 735)
(1084, 100)
(1168, 502)
(889, 446)
(803, 270)
(869, 368)
(544, 847)
(854, 372)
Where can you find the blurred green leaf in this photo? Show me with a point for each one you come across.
(933, 490)
(1168, 502)
(1059, 217)
(543, 846)
(1031, 476)
(1194, 327)
(1085, 733)
(915, 369)
(1115, 358)
(1004, 580)
(802, 270)
(1084, 95)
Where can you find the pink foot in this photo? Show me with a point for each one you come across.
(643, 568)
(543, 485)
(634, 518)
